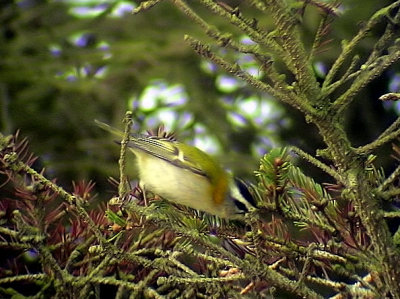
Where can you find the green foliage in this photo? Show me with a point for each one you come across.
(114, 218)
(274, 168)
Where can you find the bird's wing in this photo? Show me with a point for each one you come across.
(162, 148)
(167, 150)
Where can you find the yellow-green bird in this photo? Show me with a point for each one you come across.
(186, 175)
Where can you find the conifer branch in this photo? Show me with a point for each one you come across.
(145, 5)
(349, 74)
(11, 160)
(317, 163)
(392, 214)
(257, 35)
(348, 47)
(381, 140)
(223, 39)
(367, 74)
(23, 278)
(263, 271)
(286, 95)
(320, 34)
(123, 180)
(390, 194)
(289, 38)
(387, 37)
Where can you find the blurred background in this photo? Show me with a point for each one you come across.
(64, 64)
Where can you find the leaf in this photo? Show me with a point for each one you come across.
(114, 218)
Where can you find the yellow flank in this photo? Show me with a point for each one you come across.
(219, 182)
(220, 190)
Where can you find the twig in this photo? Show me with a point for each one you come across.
(317, 163)
(123, 180)
(369, 73)
(348, 47)
(394, 175)
(145, 5)
(381, 140)
(286, 95)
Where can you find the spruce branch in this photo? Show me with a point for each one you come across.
(115, 282)
(223, 39)
(199, 280)
(307, 263)
(349, 74)
(367, 208)
(123, 180)
(348, 47)
(145, 5)
(368, 73)
(267, 41)
(256, 34)
(356, 290)
(291, 249)
(23, 278)
(390, 194)
(286, 184)
(320, 34)
(262, 271)
(327, 8)
(317, 163)
(304, 76)
(381, 140)
(78, 252)
(289, 38)
(286, 95)
(9, 232)
(392, 214)
(387, 37)
(15, 245)
(300, 218)
(259, 4)
(12, 162)
(37, 243)
(172, 257)
(142, 285)
(391, 96)
(216, 260)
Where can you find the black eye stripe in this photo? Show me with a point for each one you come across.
(241, 206)
(244, 191)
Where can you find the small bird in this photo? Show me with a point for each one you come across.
(186, 175)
